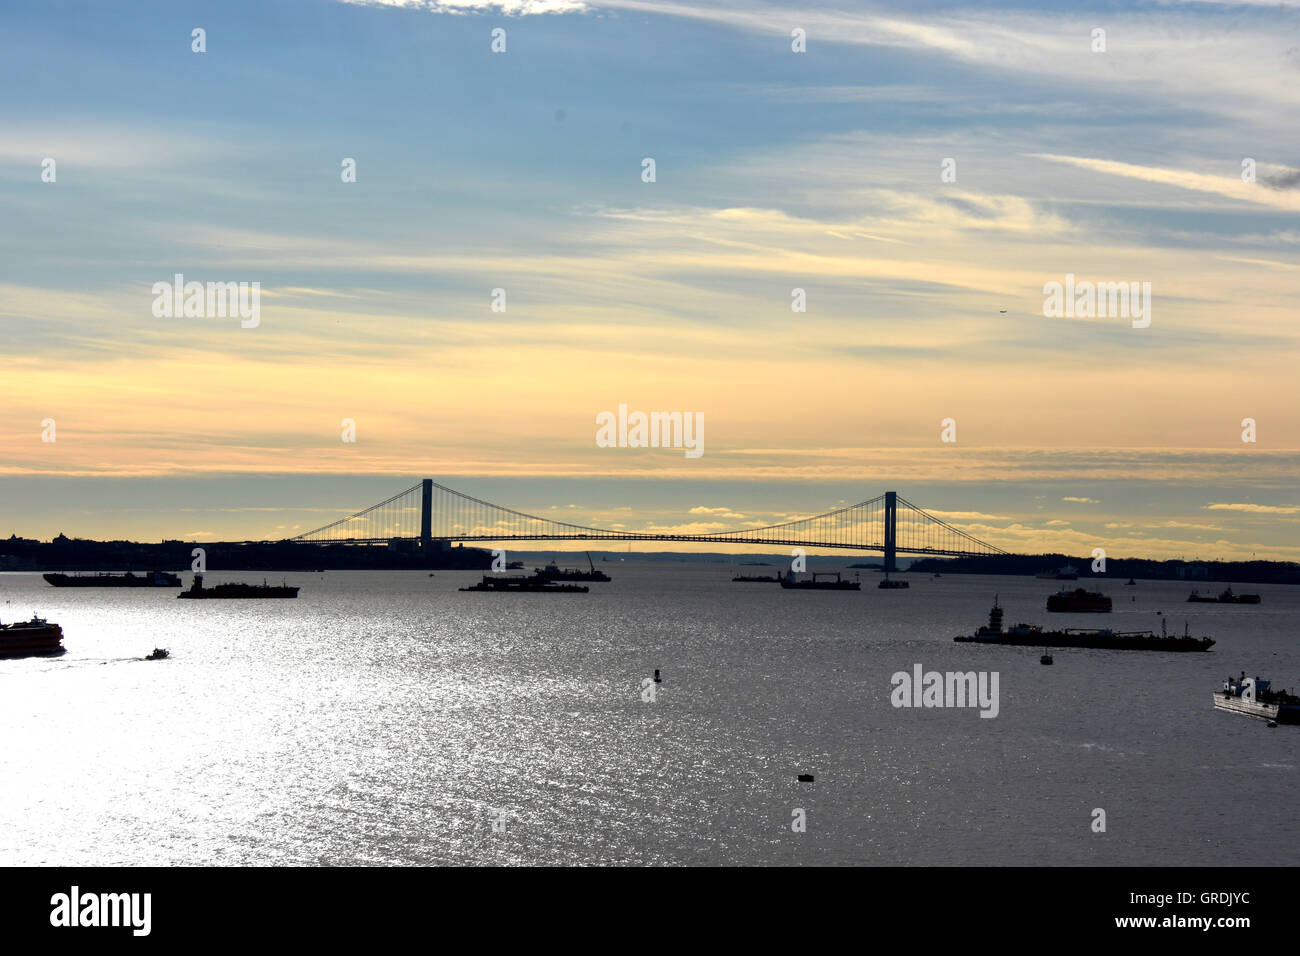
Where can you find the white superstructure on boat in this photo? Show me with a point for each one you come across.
(1256, 698)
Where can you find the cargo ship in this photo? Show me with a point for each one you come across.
(1253, 697)
(1225, 597)
(553, 572)
(34, 638)
(757, 578)
(820, 581)
(237, 590)
(1079, 599)
(530, 585)
(154, 579)
(1032, 635)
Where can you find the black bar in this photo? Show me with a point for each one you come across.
(980, 907)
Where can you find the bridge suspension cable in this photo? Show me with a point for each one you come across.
(430, 512)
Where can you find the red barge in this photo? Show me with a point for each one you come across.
(34, 638)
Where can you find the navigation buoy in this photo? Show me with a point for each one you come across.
(805, 778)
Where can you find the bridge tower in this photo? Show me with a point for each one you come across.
(891, 530)
(426, 515)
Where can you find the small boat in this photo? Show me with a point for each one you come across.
(1046, 658)
(1225, 597)
(890, 585)
(159, 654)
(1252, 697)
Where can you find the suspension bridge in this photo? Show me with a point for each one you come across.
(435, 516)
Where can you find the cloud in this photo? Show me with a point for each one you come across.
(1289, 179)
(1085, 501)
(1191, 526)
(1229, 186)
(717, 512)
(1250, 508)
(508, 8)
(966, 515)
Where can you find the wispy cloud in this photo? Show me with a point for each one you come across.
(504, 7)
(1256, 509)
(1220, 185)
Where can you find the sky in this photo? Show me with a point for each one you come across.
(775, 170)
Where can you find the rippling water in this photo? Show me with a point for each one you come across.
(386, 718)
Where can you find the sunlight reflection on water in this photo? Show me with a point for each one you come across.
(387, 718)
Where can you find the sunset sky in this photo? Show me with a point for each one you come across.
(775, 170)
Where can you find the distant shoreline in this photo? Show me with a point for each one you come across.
(73, 554)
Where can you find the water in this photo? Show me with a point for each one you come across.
(385, 718)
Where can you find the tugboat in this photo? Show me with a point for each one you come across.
(887, 585)
(34, 638)
(1225, 597)
(1078, 600)
(553, 572)
(1030, 635)
(236, 590)
(825, 584)
(159, 654)
(517, 585)
(1253, 697)
(1067, 573)
(154, 579)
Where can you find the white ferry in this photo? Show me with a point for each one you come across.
(1255, 698)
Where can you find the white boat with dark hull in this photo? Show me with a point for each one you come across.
(1253, 697)
(1067, 573)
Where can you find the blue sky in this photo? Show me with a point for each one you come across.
(775, 170)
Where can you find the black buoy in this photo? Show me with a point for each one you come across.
(805, 778)
(658, 679)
